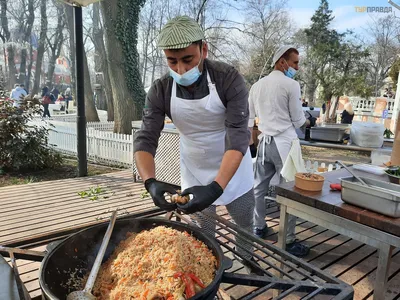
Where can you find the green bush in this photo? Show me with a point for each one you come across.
(23, 146)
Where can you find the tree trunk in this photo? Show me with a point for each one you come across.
(28, 79)
(100, 49)
(12, 70)
(108, 89)
(40, 51)
(69, 15)
(120, 19)
(27, 38)
(310, 91)
(90, 109)
(116, 65)
(22, 66)
(55, 48)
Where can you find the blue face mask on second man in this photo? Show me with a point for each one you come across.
(189, 77)
(290, 72)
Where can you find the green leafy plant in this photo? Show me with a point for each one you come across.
(388, 133)
(145, 195)
(394, 171)
(94, 193)
(24, 146)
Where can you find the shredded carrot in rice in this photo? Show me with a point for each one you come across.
(143, 265)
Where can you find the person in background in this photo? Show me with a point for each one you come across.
(304, 103)
(323, 108)
(55, 92)
(45, 91)
(67, 97)
(347, 114)
(207, 102)
(46, 101)
(17, 95)
(275, 100)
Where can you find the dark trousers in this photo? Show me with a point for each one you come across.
(46, 111)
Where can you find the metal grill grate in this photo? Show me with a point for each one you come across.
(286, 277)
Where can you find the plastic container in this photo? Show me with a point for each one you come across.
(309, 182)
(370, 169)
(367, 134)
(380, 157)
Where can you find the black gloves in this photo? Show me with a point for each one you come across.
(312, 119)
(253, 150)
(203, 197)
(157, 189)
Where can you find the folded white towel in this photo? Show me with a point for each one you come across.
(294, 162)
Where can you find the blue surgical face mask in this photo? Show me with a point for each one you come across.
(290, 72)
(187, 78)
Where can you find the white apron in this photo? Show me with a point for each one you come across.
(283, 142)
(201, 124)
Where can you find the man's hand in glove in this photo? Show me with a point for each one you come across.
(203, 197)
(253, 150)
(156, 190)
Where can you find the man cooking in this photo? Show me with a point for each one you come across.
(208, 103)
(275, 100)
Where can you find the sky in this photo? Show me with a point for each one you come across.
(344, 11)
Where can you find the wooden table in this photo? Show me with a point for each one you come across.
(327, 209)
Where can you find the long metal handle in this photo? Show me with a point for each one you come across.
(351, 172)
(18, 280)
(97, 263)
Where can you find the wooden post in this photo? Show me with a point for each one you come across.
(395, 159)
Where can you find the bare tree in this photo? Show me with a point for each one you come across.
(384, 48)
(90, 109)
(101, 60)
(40, 51)
(55, 43)
(6, 37)
(26, 29)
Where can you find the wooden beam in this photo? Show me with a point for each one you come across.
(395, 158)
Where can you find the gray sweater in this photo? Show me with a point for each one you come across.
(231, 89)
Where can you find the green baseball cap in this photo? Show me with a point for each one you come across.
(179, 33)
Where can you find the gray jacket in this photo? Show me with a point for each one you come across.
(231, 89)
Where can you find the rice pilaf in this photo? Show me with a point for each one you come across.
(143, 266)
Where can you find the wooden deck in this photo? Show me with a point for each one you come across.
(30, 212)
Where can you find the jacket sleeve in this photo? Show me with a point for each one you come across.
(146, 139)
(237, 113)
(295, 109)
(252, 110)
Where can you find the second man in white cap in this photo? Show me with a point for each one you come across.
(275, 100)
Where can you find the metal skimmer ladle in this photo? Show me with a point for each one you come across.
(352, 173)
(86, 293)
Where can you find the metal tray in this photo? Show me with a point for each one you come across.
(379, 196)
(330, 133)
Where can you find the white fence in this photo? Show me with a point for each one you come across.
(106, 147)
(361, 105)
(102, 146)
